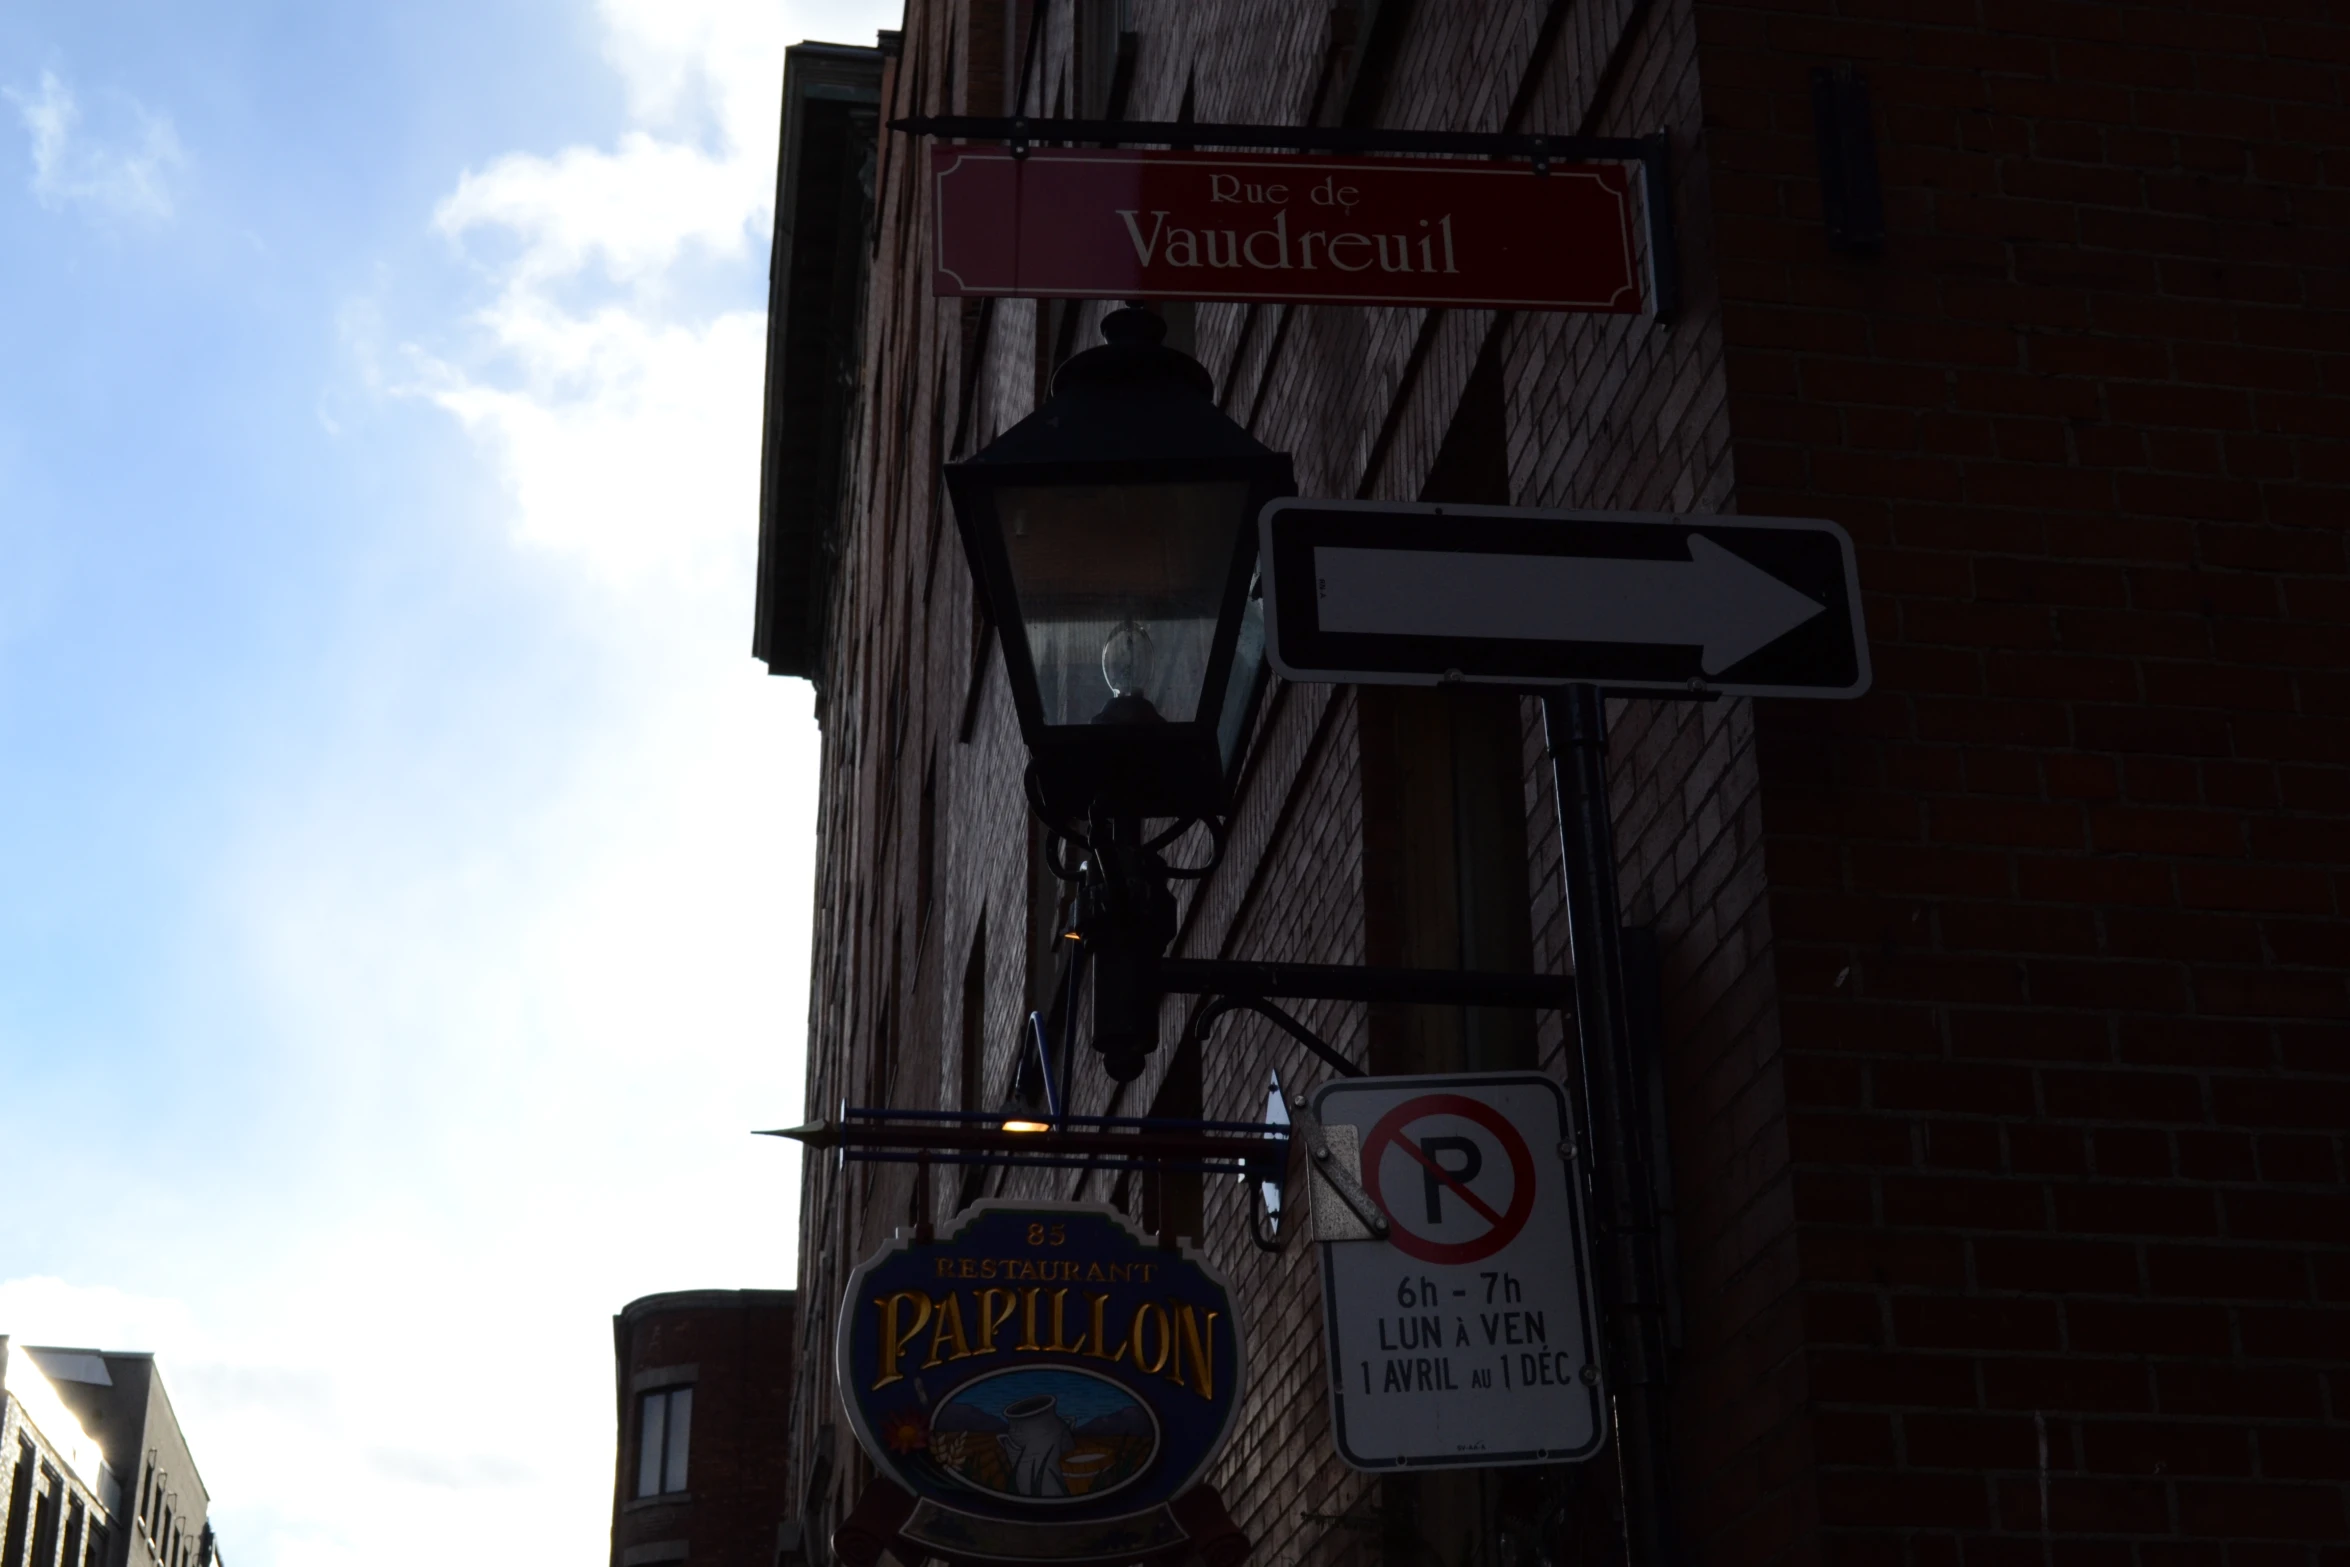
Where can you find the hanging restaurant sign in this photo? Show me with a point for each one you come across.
(1116, 223)
(1043, 1380)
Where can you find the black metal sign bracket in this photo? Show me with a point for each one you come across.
(1241, 986)
(1029, 131)
(1350, 982)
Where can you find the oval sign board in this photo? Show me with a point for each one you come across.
(1040, 1362)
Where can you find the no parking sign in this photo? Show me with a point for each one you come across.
(1467, 1336)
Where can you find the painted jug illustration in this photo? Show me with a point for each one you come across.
(1034, 1440)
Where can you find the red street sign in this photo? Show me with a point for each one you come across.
(1085, 223)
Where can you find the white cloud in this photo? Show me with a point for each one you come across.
(634, 209)
(689, 60)
(628, 443)
(44, 1310)
(128, 173)
(626, 429)
(527, 916)
(548, 964)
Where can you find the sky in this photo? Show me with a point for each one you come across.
(405, 870)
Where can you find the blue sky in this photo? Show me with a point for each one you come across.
(407, 868)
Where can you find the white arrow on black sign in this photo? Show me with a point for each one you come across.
(1388, 593)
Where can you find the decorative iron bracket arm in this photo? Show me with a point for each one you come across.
(1205, 1019)
(1351, 982)
(1024, 131)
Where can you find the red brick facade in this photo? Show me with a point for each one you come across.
(732, 1353)
(2007, 1010)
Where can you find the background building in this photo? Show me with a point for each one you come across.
(94, 1470)
(2003, 1011)
(703, 1389)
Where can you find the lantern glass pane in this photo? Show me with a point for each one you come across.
(1119, 586)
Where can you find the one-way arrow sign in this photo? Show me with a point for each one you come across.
(1389, 593)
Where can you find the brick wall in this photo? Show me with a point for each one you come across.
(2061, 947)
(2005, 1009)
(734, 1348)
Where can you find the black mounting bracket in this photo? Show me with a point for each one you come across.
(1024, 131)
(1242, 986)
(881, 1134)
(1350, 982)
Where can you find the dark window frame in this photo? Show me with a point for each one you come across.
(674, 1459)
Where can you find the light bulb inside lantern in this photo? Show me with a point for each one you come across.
(1127, 664)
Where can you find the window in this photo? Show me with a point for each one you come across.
(663, 1426)
(18, 1507)
(973, 1066)
(1104, 48)
(926, 850)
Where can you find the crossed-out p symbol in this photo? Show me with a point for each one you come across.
(1448, 1159)
(1472, 1160)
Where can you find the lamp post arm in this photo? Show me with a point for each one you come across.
(1205, 1019)
(1356, 982)
(1021, 130)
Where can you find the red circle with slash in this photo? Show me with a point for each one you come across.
(1505, 1226)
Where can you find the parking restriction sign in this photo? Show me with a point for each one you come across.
(1466, 1337)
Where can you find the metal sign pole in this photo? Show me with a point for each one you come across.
(1624, 1190)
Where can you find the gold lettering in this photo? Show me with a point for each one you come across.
(1189, 1336)
(1094, 1274)
(1060, 1302)
(1028, 1319)
(991, 1320)
(893, 1342)
(947, 1320)
(1101, 1331)
(1143, 1313)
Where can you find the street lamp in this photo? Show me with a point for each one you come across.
(1113, 536)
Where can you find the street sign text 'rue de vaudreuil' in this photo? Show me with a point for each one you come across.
(1121, 223)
